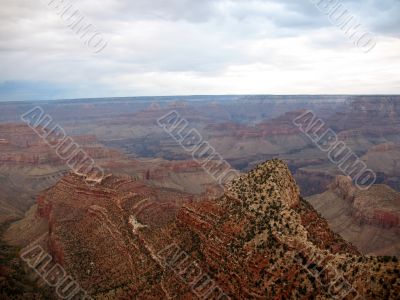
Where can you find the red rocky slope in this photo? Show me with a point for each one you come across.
(125, 240)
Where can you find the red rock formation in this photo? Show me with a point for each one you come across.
(386, 219)
(249, 242)
(277, 127)
(344, 187)
(24, 146)
(380, 205)
(370, 116)
(384, 147)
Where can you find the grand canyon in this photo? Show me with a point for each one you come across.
(199, 150)
(158, 225)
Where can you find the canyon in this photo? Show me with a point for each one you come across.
(249, 238)
(253, 242)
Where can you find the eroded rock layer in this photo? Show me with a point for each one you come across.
(123, 239)
(367, 218)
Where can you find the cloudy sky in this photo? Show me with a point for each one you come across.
(182, 47)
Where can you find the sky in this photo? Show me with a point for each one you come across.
(194, 47)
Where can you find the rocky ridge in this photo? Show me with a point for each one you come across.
(258, 241)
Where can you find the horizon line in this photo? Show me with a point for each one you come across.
(194, 95)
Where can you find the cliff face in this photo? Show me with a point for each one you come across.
(28, 165)
(344, 188)
(20, 145)
(251, 243)
(281, 126)
(362, 123)
(380, 205)
(370, 115)
(368, 219)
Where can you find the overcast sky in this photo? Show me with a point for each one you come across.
(182, 47)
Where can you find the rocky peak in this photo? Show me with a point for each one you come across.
(343, 187)
(268, 181)
(253, 243)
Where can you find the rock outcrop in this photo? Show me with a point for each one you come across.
(126, 239)
(23, 146)
(379, 205)
(28, 165)
(369, 219)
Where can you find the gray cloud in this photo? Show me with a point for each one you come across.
(192, 46)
